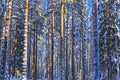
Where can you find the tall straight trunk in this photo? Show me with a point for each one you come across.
(48, 58)
(3, 31)
(36, 31)
(109, 55)
(36, 58)
(62, 18)
(10, 54)
(52, 39)
(95, 35)
(25, 41)
(34, 61)
(73, 65)
(29, 50)
(9, 18)
(28, 56)
(7, 34)
(14, 51)
(117, 40)
(66, 71)
(83, 55)
(61, 35)
(3, 43)
(83, 41)
(48, 48)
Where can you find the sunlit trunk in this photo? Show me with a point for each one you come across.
(25, 41)
(61, 37)
(7, 29)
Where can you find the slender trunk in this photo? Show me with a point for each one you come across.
(61, 35)
(83, 42)
(83, 56)
(34, 62)
(48, 60)
(36, 28)
(25, 42)
(4, 57)
(9, 18)
(95, 38)
(7, 34)
(28, 56)
(117, 41)
(52, 39)
(10, 54)
(66, 74)
(48, 50)
(73, 65)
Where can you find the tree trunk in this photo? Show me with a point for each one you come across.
(25, 41)
(73, 65)
(6, 44)
(61, 36)
(66, 71)
(34, 62)
(52, 39)
(48, 59)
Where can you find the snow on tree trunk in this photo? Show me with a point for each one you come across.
(25, 42)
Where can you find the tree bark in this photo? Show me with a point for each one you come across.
(52, 41)
(7, 29)
(61, 36)
(25, 41)
(73, 65)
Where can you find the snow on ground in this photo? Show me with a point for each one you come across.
(20, 78)
(16, 78)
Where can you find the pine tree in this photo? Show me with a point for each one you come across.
(2, 32)
(52, 41)
(25, 41)
(107, 39)
(96, 38)
(62, 6)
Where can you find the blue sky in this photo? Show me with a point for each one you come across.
(44, 4)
